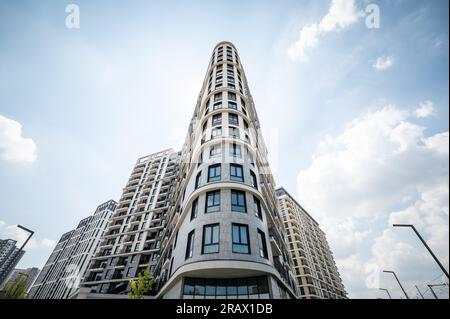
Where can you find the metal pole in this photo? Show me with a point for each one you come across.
(432, 291)
(26, 241)
(426, 246)
(399, 283)
(387, 291)
(420, 293)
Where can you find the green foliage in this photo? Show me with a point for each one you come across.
(140, 286)
(16, 289)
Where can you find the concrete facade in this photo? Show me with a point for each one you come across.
(9, 257)
(317, 274)
(67, 265)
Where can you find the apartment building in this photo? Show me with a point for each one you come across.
(9, 257)
(66, 267)
(30, 274)
(205, 219)
(133, 239)
(315, 268)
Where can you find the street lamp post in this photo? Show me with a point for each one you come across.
(391, 272)
(432, 291)
(387, 291)
(420, 293)
(425, 244)
(26, 241)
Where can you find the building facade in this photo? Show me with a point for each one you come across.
(133, 239)
(9, 257)
(30, 273)
(67, 265)
(213, 229)
(315, 268)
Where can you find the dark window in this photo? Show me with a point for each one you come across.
(262, 244)
(232, 105)
(214, 173)
(254, 180)
(235, 150)
(217, 119)
(190, 244)
(238, 203)
(210, 239)
(217, 97)
(212, 202)
(215, 150)
(198, 180)
(236, 173)
(258, 211)
(217, 106)
(233, 119)
(194, 209)
(231, 96)
(240, 239)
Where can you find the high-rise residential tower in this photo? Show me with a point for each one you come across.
(67, 265)
(133, 239)
(9, 257)
(315, 268)
(29, 273)
(208, 223)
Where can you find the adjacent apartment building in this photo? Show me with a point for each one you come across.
(66, 266)
(315, 268)
(9, 257)
(30, 274)
(205, 219)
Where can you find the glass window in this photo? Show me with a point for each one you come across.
(198, 180)
(189, 285)
(240, 239)
(258, 211)
(215, 150)
(199, 289)
(212, 202)
(238, 203)
(214, 172)
(194, 209)
(217, 119)
(233, 119)
(236, 173)
(217, 106)
(262, 244)
(232, 105)
(242, 288)
(231, 287)
(210, 287)
(254, 180)
(231, 96)
(216, 132)
(218, 97)
(235, 150)
(221, 290)
(234, 132)
(210, 239)
(190, 245)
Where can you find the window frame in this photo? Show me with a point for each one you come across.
(240, 243)
(212, 243)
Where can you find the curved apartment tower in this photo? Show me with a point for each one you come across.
(225, 236)
(205, 219)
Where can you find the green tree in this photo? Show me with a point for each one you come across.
(16, 289)
(140, 286)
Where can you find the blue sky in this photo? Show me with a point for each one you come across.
(359, 143)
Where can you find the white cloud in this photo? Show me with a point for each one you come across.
(341, 14)
(383, 63)
(425, 109)
(14, 147)
(381, 169)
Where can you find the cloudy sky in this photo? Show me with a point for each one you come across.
(355, 118)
